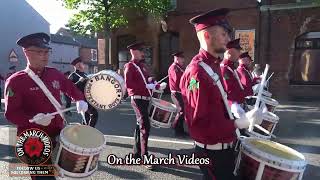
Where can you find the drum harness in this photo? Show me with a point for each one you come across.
(180, 69)
(143, 78)
(45, 90)
(234, 72)
(215, 77)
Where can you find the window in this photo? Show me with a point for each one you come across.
(306, 60)
(173, 5)
(94, 55)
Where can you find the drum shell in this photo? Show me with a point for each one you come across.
(269, 121)
(275, 167)
(249, 168)
(75, 161)
(161, 115)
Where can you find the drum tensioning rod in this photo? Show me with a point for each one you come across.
(54, 113)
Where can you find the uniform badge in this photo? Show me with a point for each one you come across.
(193, 84)
(10, 92)
(56, 84)
(226, 76)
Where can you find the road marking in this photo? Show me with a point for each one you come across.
(154, 139)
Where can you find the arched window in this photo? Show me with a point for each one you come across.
(306, 61)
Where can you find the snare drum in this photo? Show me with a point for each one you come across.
(79, 150)
(105, 89)
(269, 122)
(264, 91)
(157, 93)
(270, 103)
(261, 159)
(161, 113)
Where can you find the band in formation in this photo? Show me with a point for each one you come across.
(226, 109)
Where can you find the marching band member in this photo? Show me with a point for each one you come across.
(175, 72)
(24, 100)
(79, 77)
(246, 78)
(207, 111)
(231, 80)
(139, 84)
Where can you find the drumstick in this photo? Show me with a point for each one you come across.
(264, 130)
(53, 114)
(163, 79)
(262, 86)
(256, 106)
(269, 77)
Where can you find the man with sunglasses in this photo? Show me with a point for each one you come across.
(26, 104)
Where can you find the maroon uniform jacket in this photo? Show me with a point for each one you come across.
(246, 79)
(175, 72)
(232, 86)
(24, 99)
(205, 112)
(133, 79)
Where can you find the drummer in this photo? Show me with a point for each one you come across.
(207, 111)
(24, 100)
(231, 79)
(139, 86)
(79, 77)
(175, 72)
(246, 78)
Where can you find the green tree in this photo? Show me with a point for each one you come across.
(104, 15)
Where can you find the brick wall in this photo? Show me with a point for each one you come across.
(286, 25)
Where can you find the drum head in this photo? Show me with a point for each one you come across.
(164, 104)
(83, 136)
(104, 90)
(274, 152)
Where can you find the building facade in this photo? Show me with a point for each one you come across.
(67, 46)
(275, 32)
(17, 19)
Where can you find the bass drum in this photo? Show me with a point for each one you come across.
(105, 89)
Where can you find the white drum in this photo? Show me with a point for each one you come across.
(264, 92)
(261, 159)
(157, 93)
(79, 150)
(161, 113)
(269, 122)
(270, 103)
(105, 89)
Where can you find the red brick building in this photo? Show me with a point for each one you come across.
(270, 30)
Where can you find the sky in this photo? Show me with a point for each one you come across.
(53, 12)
